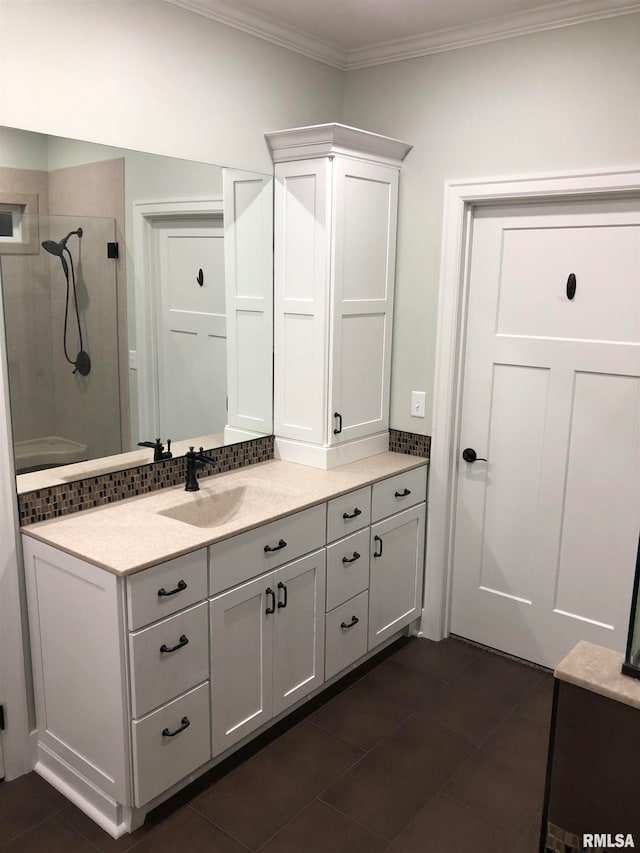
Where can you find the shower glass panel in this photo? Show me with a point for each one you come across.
(65, 408)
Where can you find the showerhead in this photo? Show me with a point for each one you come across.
(57, 248)
(52, 247)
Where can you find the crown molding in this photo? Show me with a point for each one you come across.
(325, 140)
(248, 21)
(549, 16)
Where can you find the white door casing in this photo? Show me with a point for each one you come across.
(546, 529)
(461, 198)
(145, 215)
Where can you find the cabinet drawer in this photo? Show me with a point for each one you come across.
(345, 641)
(159, 760)
(163, 589)
(236, 560)
(156, 675)
(347, 568)
(348, 513)
(398, 493)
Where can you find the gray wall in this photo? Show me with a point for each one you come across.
(147, 75)
(566, 99)
(156, 77)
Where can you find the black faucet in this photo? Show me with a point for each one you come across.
(194, 461)
(159, 453)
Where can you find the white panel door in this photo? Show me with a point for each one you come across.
(365, 202)
(192, 365)
(298, 657)
(547, 529)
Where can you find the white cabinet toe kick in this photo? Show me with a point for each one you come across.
(145, 681)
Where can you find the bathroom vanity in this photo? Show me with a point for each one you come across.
(169, 629)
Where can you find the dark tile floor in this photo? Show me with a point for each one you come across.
(434, 747)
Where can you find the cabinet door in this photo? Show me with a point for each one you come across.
(301, 295)
(241, 661)
(397, 557)
(298, 660)
(365, 200)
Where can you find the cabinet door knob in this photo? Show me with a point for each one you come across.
(181, 585)
(184, 724)
(338, 430)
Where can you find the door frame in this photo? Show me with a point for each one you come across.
(460, 200)
(145, 215)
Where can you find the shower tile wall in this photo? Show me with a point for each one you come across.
(26, 290)
(88, 409)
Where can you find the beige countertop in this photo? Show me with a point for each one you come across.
(133, 534)
(598, 669)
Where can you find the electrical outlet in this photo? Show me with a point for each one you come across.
(418, 403)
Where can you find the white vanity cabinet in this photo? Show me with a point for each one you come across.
(374, 575)
(267, 647)
(267, 622)
(336, 192)
(121, 679)
(397, 553)
(145, 680)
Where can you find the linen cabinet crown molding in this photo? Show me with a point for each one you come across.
(333, 138)
(336, 203)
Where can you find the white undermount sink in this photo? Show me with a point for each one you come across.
(213, 508)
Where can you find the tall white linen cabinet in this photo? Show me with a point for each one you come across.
(336, 197)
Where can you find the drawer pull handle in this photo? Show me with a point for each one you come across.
(181, 585)
(403, 493)
(283, 604)
(345, 625)
(184, 724)
(338, 429)
(164, 648)
(271, 609)
(281, 544)
(355, 557)
(378, 553)
(354, 514)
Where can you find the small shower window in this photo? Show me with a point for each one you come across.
(7, 228)
(18, 223)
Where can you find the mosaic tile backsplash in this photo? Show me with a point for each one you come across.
(409, 442)
(43, 504)
(53, 502)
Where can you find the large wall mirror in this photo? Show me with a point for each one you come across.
(137, 295)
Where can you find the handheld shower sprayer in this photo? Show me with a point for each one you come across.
(82, 363)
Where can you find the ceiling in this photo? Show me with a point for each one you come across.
(352, 34)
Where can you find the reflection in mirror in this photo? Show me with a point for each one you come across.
(137, 298)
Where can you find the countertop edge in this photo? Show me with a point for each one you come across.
(598, 670)
(41, 530)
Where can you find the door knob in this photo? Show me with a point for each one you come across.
(469, 455)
